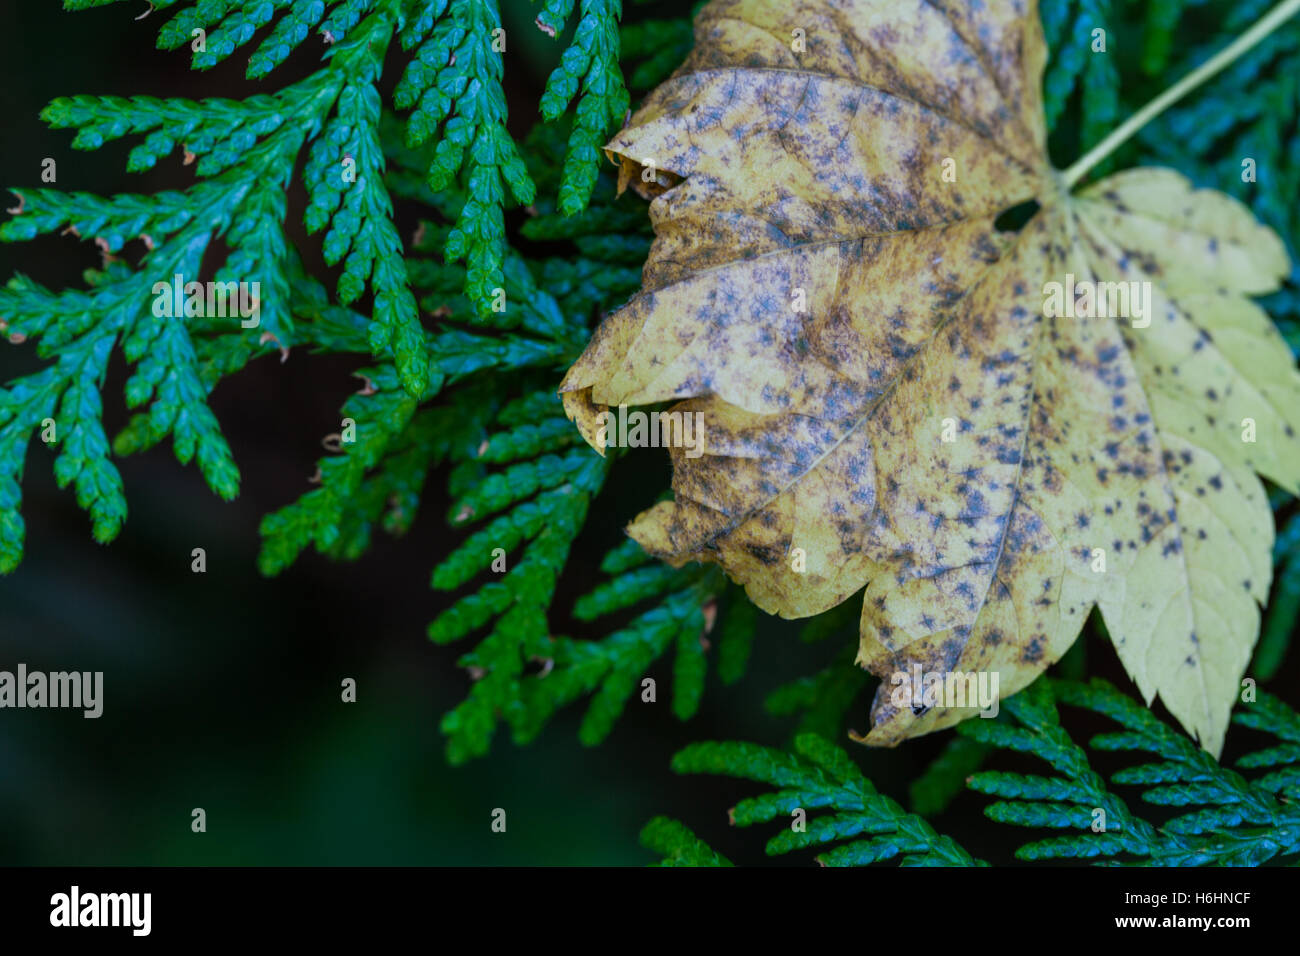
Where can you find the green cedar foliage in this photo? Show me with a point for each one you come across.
(1219, 818)
(246, 152)
(467, 390)
(818, 776)
(678, 845)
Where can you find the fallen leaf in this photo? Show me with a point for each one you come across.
(886, 404)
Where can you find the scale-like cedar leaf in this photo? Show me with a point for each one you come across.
(828, 289)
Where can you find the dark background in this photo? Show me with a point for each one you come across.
(222, 690)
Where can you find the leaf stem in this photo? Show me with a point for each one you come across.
(1262, 28)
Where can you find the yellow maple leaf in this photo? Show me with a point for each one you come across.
(897, 396)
